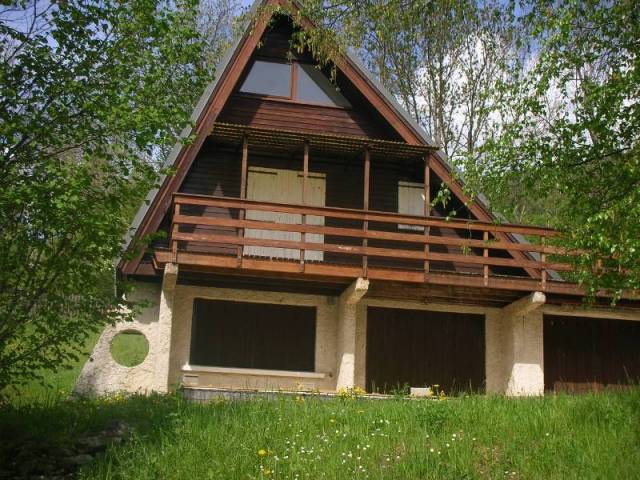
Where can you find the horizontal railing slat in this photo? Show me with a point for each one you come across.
(352, 214)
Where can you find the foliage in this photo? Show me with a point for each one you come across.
(587, 436)
(90, 93)
(571, 135)
(536, 100)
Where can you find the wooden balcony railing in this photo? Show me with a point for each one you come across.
(222, 232)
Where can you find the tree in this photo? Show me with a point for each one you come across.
(536, 100)
(571, 135)
(440, 59)
(90, 92)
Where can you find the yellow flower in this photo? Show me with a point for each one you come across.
(267, 472)
(262, 452)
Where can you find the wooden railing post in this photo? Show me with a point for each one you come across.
(243, 191)
(305, 175)
(485, 254)
(174, 231)
(427, 212)
(543, 259)
(365, 206)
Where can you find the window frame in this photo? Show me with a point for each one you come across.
(292, 98)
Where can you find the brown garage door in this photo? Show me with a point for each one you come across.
(420, 348)
(590, 353)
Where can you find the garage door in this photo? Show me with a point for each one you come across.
(421, 348)
(590, 353)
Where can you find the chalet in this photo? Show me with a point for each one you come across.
(302, 250)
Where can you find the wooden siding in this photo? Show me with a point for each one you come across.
(288, 115)
(361, 119)
(583, 354)
(216, 172)
(422, 348)
(253, 335)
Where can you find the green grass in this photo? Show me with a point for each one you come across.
(589, 436)
(129, 348)
(56, 384)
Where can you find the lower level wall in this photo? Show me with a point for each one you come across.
(325, 351)
(101, 374)
(514, 351)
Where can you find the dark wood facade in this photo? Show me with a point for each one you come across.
(424, 348)
(583, 354)
(253, 335)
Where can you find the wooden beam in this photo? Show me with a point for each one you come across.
(216, 262)
(593, 312)
(427, 208)
(525, 305)
(354, 292)
(372, 215)
(365, 206)
(305, 176)
(244, 167)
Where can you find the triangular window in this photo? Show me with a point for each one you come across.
(276, 79)
(314, 87)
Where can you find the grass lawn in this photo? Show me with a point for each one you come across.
(588, 436)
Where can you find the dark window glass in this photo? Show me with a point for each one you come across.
(253, 335)
(268, 78)
(314, 87)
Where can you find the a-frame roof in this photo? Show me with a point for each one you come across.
(229, 70)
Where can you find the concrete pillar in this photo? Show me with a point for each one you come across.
(498, 352)
(519, 370)
(347, 333)
(165, 320)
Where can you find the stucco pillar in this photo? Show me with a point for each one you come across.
(524, 353)
(347, 333)
(165, 319)
(498, 352)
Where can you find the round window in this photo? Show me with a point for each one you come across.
(129, 348)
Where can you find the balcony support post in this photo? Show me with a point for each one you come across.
(348, 307)
(427, 210)
(243, 190)
(305, 176)
(365, 206)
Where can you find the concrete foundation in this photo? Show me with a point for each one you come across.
(514, 352)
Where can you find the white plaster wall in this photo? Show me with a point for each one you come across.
(325, 351)
(498, 352)
(101, 374)
(361, 346)
(527, 364)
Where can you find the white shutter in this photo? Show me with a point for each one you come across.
(282, 186)
(411, 202)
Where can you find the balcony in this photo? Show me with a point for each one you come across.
(227, 235)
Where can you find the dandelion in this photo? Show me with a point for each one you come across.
(262, 452)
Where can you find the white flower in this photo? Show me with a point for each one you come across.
(432, 450)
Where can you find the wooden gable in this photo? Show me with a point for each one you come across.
(372, 113)
(359, 118)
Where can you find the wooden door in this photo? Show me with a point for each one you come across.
(283, 186)
(422, 348)
(583, 354)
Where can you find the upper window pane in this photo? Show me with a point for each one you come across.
(314, 87)
(268, 78)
